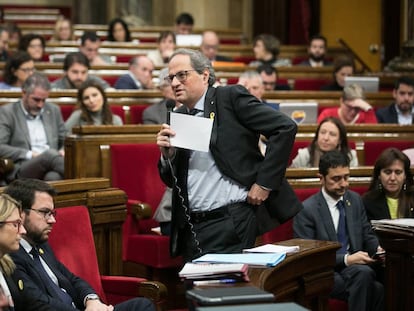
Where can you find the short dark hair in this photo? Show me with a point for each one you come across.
(89, 35)
(166, 34)
(75, 57)
(267, 69)
(12, 64)
(270, 42)
(403, 80)
(112, 23)
(23, 190)
(332, 159)
(184, 18)
(318, 37)
(25, 40)
(343, 60)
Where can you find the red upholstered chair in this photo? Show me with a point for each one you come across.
(66, 110)
(73, 244)
(134, 170)
(372, 149)
(136, 112)
(310, 84)
(296, 146)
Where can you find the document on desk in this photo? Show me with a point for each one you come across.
(272, 248)
(191, 132)
(252, 259)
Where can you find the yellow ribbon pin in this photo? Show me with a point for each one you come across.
(41, 252)
(212, 115)
(20, 283)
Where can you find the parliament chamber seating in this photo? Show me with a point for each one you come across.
(73, 231)
(374, 148)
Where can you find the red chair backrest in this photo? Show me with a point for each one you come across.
(310, 84)
(119, 111)
(72, 242)
(136, 112)
(373, 149)
(296, 146)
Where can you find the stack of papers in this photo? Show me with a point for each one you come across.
(253, 259)
(272, 248)
(204, 271)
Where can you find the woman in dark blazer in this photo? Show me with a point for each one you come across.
(391, 193)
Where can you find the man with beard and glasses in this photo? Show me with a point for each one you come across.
(316, 52)
(338, 214)
(38, 274)
(32, 133)
(401, 110)
(76, 66)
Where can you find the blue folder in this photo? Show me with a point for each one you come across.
(254, 259)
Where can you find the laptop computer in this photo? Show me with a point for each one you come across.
(228, 295)
(188, 40)
(301, 112)
(369, 84)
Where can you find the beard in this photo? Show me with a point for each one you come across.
(317, 58)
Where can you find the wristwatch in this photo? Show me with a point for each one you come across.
(91, 297)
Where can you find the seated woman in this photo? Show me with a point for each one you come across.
(94, 108)
(34, 45)
(391, 192)
(166, 45)
(16, 70)
(63, 30)
(353, 109)
(330, 135)
(266, 49)
(343, 66)
(118, 31)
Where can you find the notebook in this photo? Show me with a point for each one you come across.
(283, 306)
(301, 112)
(369, 84)
(229, 295)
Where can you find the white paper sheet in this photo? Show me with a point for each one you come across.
(191, 132)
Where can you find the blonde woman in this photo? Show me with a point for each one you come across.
(63, 30)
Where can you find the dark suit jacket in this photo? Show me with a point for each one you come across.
(315, 222)
(222, 58)
(33, 287)
(388, 114)
(14, 133)
(125, 82)
(239, 118)
(307, 63)
(155, 114)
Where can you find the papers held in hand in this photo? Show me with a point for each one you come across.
(253, 259)
(272, 248)
(197, 271)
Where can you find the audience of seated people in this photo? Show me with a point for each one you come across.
(184, 24)
(89, 46)
(391, 192)
(139, 75)
(210, 45)
(401, 110)
(15, 33)
(4, 44)
(32, 133)
(266, 50)
(118, 31)
(330, 135)
(16, 70)
(343, 66)
(270, 77)
(63, 30)
(94, 108)
(353, 109)
(166, 46)
(317, 50)
(33, 44)
(75, 68)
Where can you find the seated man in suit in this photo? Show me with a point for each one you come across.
(39, 275)
(76, 67)
(32, 133)
(401, 110)
(139, 75)
(316, 52)
(269, 76)
(210, 45)
(338, 214)
(90, 43)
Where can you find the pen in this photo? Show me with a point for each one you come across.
(208, 282)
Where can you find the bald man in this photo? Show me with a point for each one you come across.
(210, 45)
(139, 75)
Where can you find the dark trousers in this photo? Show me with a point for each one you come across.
(135, 304)
(357, 284)
(228, 229)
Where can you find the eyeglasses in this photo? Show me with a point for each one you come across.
(16, 223)
(181, 76)
(47, 213)
(27, 70)
(269, 83)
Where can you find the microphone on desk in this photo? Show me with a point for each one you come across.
(170, 103)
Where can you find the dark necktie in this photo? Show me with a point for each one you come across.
(342, 234)
(194, 111)
(60, 294)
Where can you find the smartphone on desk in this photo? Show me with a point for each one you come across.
(378, 255)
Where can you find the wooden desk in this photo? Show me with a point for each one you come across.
(399, 271)
(306, 277)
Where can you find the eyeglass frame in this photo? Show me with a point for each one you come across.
(27, 70)
(17, 223)
(47, 214)
(183, 73)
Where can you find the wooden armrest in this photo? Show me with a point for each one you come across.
(141, 210)
(156, 291)
(6, 166)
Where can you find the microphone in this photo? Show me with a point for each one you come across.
(170, 103)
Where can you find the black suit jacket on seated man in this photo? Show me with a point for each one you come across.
(239, 118)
